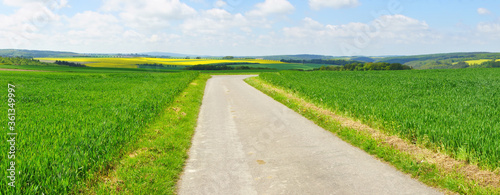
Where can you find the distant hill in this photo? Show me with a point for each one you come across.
(439, 61)
(445, 56)
(363, 59)
(166, 54)
(298, 57)
(430, 61)
(34, 53)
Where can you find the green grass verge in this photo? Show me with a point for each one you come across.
(428, 173)
(155, 164)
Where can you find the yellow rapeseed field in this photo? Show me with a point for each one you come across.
(132, 62)
(477, 62)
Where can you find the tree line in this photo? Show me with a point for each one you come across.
(66, 63)
(222, 67)
(490, 64)
(358, 66)
(320, 61)
(22, 61)
(156, 65)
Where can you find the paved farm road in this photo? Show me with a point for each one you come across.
(247, 143)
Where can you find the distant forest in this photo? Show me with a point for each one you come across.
(22, 61)
(222, 67)
(66, 63)
(489, 64)
(441, 61)
(370, 66)
(321, 61)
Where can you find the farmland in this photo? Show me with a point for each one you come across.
(478, 62)
(134, 62)
(454, 111)
(73, 125)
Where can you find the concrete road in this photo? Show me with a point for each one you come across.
(247, 143)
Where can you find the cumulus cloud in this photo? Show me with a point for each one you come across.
(270, 7)
(386, 26)
(91, 19)
(335, 4)
(149, 14)
(215, 22)
(24, 26)
(483, 11)
(356, 36)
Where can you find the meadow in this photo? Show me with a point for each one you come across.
(454, 111)
(72, 126)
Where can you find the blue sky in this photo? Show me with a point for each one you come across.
(252, 27)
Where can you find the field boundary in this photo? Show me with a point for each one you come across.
(431, 167)
(4, 69)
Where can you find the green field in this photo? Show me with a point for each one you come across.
(454, 110)
(71, 126)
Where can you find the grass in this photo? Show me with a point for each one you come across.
(155, 164)
(429, 173)
(450, 110)
(71, 126)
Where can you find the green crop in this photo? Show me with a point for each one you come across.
(452, 110)
(71, 126)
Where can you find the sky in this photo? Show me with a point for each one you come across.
(252, 27)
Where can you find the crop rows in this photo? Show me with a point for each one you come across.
(452, 110)
(72, 125)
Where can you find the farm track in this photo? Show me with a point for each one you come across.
(247, 143)
(445, 163)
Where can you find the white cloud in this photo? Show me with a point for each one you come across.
(270, 7)
(489, 28)
(336, 4)
(387, 26)
(90, 19)
(55, 4)
(24, 26)
(385, 30)
(220, 3)
(401, 23)
(149, 14)
(215, 22)
(483, 11)
(92, 28)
